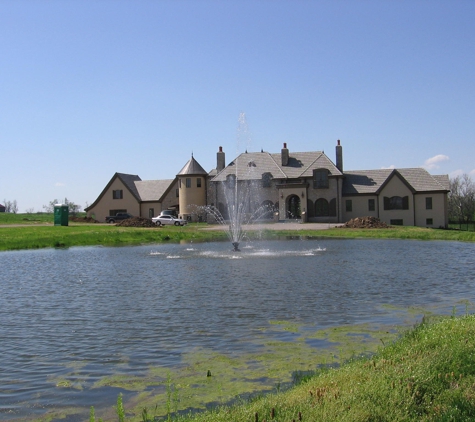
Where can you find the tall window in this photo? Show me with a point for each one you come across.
(349, 205)
(429, 203)
(177, 193)
(188, 182)
(198, 182)
(396, 203)
(320, 179)
(117, 194)
(151, 213)
(371, 205)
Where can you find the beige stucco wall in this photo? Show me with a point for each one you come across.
(360, 207)
(396, 187)
(128, 203)
(438, 213)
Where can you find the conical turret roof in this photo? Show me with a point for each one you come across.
(192, 167)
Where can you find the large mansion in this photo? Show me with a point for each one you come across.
(307, 186)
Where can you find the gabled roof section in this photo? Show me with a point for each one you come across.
(192, 168)
(129, 182)
(251, 166)
(372, 181)
(364, 181)
(443, 180)
(153, 190)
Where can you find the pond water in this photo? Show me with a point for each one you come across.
(73, 317)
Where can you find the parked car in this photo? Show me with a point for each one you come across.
(118, 217)
(169, 212)
(162, 220)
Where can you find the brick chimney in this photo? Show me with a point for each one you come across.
(285, 155)
(339, 156)
(220, 160)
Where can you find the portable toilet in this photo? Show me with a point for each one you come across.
(61, 215)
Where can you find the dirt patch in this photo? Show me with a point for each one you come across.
(365, 223)
(136, 222)
(82, 219)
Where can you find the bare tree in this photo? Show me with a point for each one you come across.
(462, 199)
(11, 206)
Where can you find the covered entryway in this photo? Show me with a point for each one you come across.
(294, 209)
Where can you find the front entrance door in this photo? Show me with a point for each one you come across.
(293, 207)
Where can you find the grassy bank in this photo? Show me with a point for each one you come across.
(427, 375)
(32, 231)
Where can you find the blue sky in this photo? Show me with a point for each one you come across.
(90, 88)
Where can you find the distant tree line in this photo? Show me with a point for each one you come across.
(10, 206)
(73, 208)
(462, 200)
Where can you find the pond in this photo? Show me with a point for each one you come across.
(81, 325)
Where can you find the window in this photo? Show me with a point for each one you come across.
(429, 203)
(198, 182)
(320, 179)
(321, 208)
(429, 221)
(396, 203)
(397, 222)
(115, 212)
(177, 193)
(117, 194)
(151, 213)
(179, 183)
(266, 180)
(188, 182)
(371, 205)
(349, 205)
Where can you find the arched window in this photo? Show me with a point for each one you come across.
(310, 208)
(266, 209)
(396, 203)
(321, 208)
(266, 180)
(293, 209)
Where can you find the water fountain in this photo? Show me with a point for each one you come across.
(241, 196)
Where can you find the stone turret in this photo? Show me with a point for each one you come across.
(192, 181)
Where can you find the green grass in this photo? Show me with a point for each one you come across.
(427, 375)
(33, 231)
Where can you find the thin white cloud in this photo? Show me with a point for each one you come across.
(392, 166)
(456, 173)
(472, 173)
(433, 163)
(60, 184)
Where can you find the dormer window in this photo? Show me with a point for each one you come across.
(320, 179)
(266, 180)
(231, 180)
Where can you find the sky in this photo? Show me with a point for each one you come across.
(91, 88)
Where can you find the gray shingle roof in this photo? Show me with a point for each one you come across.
(192, 167)
(152, 190)
(371, 181)
(129, 181)
(252, 165)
